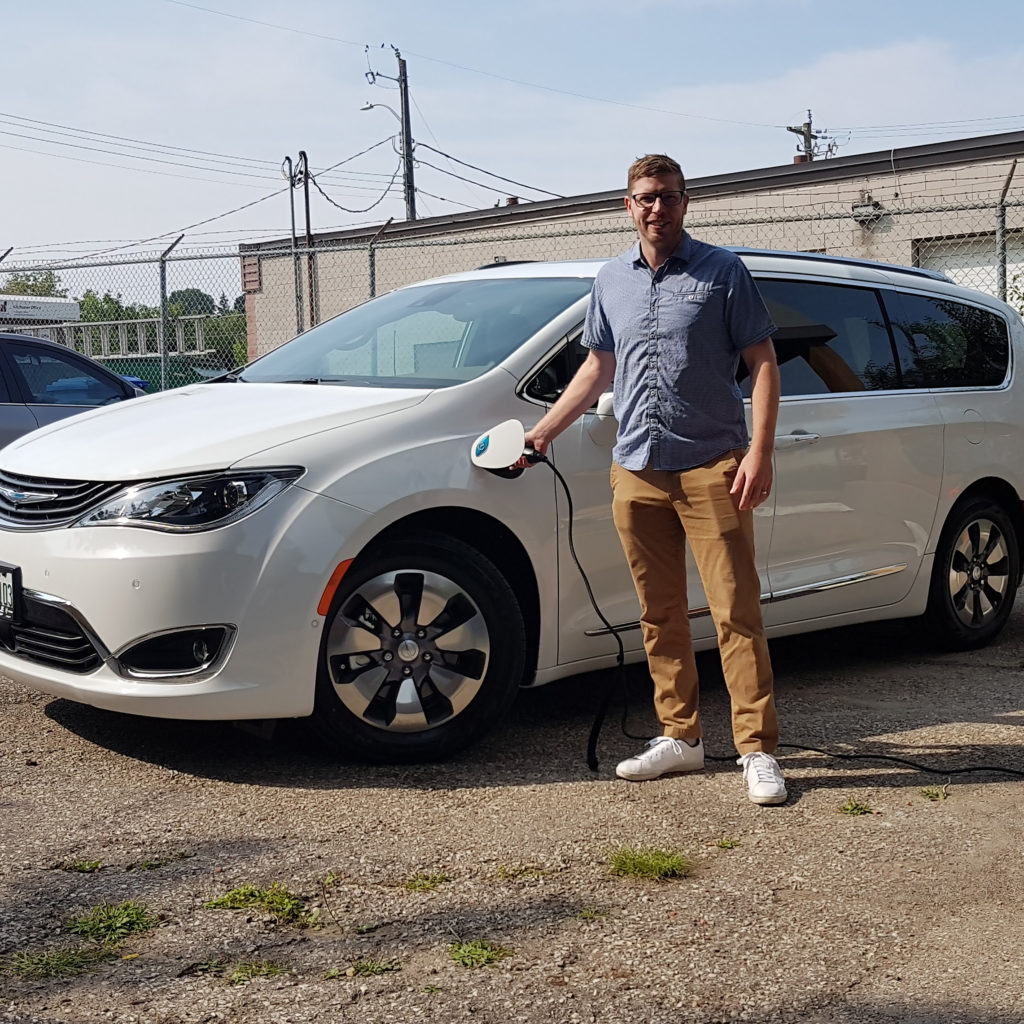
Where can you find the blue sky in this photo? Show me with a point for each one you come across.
(713, 82)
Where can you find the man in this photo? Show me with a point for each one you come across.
(668, 322)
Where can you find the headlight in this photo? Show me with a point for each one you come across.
(192, 503)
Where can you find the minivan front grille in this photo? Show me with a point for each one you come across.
(50, 634)
(43, 503)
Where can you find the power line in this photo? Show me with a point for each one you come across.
(366, 209)
(452, 174)
(443, 200)
(181, 231)
(491, 174)
(479, 71)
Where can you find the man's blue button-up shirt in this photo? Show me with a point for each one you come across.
(677, 335)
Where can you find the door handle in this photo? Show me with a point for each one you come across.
(784, 441)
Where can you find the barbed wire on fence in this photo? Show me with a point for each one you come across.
(222, 305)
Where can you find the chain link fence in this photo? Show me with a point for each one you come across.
(185, 316)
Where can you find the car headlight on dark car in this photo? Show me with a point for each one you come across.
(188, 504)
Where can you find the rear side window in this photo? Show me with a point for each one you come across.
(943, 343)
(53, 378)
(831, 338)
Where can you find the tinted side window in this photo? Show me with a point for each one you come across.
(53, 378)
(831, 338)
(947, 344)
(551, 381)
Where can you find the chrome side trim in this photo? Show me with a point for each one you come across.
(625, 627)
(839, 581)
(782, 595)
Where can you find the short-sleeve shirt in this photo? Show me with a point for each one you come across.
(677, 335)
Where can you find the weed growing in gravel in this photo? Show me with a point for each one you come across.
(111, 923)
(649, 862)
(728, 844)
(214, 967)
(592, 913)
(66, 962)
(277, 901)
(854, 808)
(374, 965)
(934, 793)
(477, 953)
(431, 989)
(245, 971)
(87, 867)
(508, 872)
(366, 927)
(422, 882)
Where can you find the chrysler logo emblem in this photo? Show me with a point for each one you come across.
(16, 497)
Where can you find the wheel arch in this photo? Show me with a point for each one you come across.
(998, 490)
(495, 541)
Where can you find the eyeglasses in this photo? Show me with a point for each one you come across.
(674, 197)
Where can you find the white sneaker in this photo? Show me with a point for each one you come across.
(662, 755)
(763, 776)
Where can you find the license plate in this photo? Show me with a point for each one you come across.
(10, 592)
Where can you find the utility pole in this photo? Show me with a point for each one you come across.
(303, 175)
(406, 123)
(810, 138)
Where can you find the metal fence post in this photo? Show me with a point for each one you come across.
(165, 319)
(373, 256)
(1001, 235)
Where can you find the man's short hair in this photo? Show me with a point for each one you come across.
(653, 165)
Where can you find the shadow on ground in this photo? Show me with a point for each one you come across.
(844, 690)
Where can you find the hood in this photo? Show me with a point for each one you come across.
(193, 429)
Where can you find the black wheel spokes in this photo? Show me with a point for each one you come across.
(347, 668)
(359, 612)
(455, 613)
(409, 590)
(406, 682)
(466, 663)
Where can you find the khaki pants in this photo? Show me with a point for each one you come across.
(656, 512)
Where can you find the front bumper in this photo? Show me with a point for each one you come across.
(263, 575)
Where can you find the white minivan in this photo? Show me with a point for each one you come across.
(308, 535)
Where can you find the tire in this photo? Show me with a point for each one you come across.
(423, 650)
(975, 576)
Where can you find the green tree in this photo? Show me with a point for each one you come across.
(239, 304)
(34, 282)
(222, 305)
(93, 308)
(191, 302)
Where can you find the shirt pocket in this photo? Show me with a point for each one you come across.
(688, 306)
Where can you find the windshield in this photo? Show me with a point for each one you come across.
(429, 336)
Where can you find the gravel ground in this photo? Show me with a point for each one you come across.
(910, 913)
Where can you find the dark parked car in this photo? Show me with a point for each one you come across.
(41, 381)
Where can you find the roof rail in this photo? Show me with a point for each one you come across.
(935, 275)
(502, 263)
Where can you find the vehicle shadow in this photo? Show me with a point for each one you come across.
(871, 689)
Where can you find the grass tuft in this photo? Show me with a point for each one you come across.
(66, 962)
(593, 912)
(245, 971)
(422, 882)
(477, 953)
(934, 793)
(276, 900)
(855, 808)
(112, 923)
(374, 965)
(87, 867)
(649, 862)
(725, 843)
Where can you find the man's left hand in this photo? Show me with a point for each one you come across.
(753, 483)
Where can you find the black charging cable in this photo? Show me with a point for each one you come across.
(620, 665)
